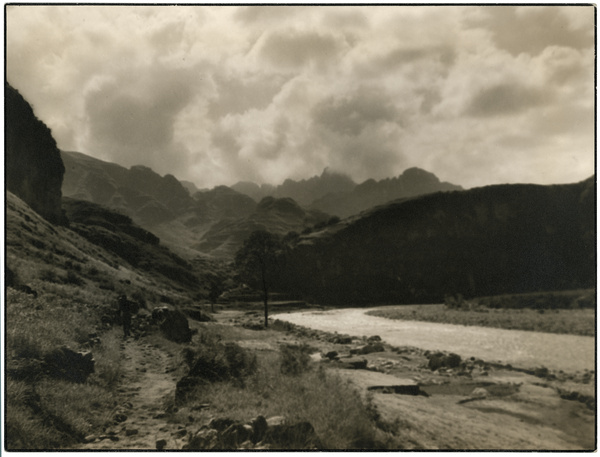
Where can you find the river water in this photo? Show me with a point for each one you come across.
(519, 348)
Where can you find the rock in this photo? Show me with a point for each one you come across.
(342, 340)
(234, 436)
(69, 365)
(33, 166)
(439, 360)
(275, 420)
(368, 349)
(175, 327)
(220, 424)
(331, 355)
(180, 433)
(297, 436)
(356, 364)
(131, 431)
(479, 392)
(374, 339)
(160, 444)
(203, 439)
(259, 428)
(90, 438)
(120, 418)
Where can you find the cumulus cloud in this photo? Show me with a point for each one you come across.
(218, 94)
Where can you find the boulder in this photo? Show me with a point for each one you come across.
(297, 436)
(69, 365)
(331, 355)
(175, 327)
(440, 360)
(259, 428)
(368, 349)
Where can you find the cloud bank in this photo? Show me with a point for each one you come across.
(218, 94)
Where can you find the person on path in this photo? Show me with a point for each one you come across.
(126, 311)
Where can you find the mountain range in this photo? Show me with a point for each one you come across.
(215, 222)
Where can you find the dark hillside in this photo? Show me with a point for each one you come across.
(276, 215)
(34, 169)
(117, 234)
(138, 192)
(486, 241)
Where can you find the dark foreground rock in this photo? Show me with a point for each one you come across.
(173, 324)
(69, 365)
(259, 433)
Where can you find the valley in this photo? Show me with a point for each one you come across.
(504, 360)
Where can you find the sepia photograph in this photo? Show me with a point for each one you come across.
(299, 227)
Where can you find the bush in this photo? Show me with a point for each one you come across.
(218, 361)
(294, 359)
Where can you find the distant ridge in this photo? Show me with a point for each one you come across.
(339, 195)
(486, 241)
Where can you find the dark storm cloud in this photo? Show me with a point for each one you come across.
(350, 114)
(534, 28)
(294, 48)
(506, 99)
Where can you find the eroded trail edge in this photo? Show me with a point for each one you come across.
(139, 419)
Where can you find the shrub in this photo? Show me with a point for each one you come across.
(218, 361)
(294, 359)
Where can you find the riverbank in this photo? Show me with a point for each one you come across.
(521, 349)
(561, 321)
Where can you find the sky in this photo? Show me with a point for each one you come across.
(477, 95)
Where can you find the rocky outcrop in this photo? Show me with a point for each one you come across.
(480, 242)
(34, 169)
(259, 433)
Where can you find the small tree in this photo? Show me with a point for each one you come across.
(256, 262)
(216, 289)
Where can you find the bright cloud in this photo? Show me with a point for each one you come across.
(217, 94)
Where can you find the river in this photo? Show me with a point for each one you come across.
(519, 348)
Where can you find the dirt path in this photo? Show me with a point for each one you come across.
(140, 417)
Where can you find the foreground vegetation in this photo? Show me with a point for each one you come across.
(566, 321)
(241, 384)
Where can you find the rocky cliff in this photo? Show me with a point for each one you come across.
(34, 169)
(484, 241)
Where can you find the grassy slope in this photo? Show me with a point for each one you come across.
(76, 283)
